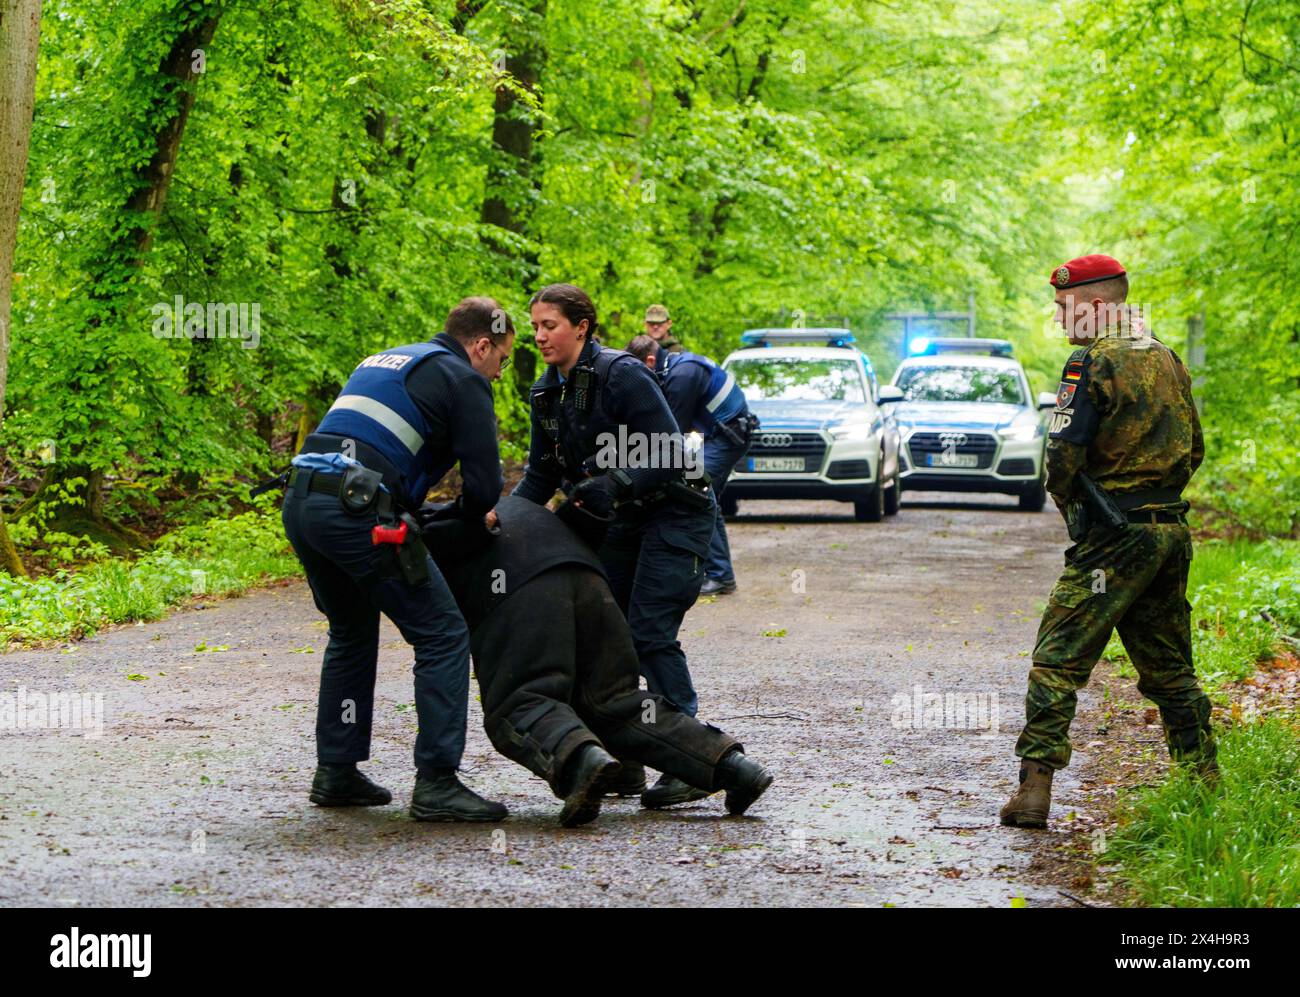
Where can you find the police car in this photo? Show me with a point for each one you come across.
(825, 433)
(968, 421)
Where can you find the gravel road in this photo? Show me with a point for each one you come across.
(826, 664)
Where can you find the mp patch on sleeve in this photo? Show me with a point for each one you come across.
(1074, 419)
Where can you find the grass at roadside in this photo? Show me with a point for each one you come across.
(1177, 844)
(1232, 584)
(220, 557)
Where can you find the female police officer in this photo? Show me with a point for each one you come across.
(599, 420)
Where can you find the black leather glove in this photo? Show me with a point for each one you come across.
(595, 495)
(585, 523)
(433, 512)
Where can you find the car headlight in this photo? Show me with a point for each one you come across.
(855, 432)
(1021, 430)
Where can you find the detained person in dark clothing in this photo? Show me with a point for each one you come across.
(602, 430)
(405, 416)
(557, 668)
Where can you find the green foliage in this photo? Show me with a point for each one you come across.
(220, 557)
(1231, 585)
(1183, 159)
(1181, 845)
(746, 164)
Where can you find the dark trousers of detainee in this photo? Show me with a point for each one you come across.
(557, 669)
(353, 581)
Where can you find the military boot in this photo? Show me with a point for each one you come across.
(743, 779)
(440, 796)
(1029, 806)
(342, 785)
(586, 775)
(630, 781)
(669, 791)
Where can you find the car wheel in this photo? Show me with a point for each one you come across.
(730, 506)
(870, 509)
(1034, 499)
(894, 494)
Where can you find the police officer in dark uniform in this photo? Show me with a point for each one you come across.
(557, 668)
(405, 416)
(705, 398)
(591, 411)
(1123, 443)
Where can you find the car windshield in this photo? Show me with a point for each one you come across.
(798, 379)
(960, 384)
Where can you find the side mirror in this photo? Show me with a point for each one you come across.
(889, 394)
(1046, 399)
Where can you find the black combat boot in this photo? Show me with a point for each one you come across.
(440, 796)
(670, 791)
(630, 781)
(341, 785)
(1032, 801)
(586, 776)
(743, 779)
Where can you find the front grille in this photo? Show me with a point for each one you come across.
(1016, 466)
(849, 469)
(982, 445)
(774, 443)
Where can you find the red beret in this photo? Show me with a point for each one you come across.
(1086, 270)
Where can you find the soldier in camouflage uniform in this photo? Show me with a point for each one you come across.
(1125, 419)
(658, 326)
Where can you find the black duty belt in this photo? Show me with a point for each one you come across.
(1153, 517)
(321, 481)
(1146, 496)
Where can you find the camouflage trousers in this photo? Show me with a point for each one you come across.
(1134, 582)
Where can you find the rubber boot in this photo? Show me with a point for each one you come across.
(587, 774)
(1029, 806)
(743, 779)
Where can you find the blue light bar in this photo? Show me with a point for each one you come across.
(923, 347)
(791, 337)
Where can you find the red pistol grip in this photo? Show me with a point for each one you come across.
(380, 534)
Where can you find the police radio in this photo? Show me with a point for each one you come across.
(584, 388)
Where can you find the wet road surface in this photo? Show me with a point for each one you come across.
(877, 669)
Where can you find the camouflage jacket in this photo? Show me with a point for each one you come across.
(669, 344)
(1124, 415)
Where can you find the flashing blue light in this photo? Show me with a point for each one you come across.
(919, 346)
(793, 337)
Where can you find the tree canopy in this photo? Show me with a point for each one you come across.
(346, 170)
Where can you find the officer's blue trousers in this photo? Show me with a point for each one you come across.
(720, 456)
(353, 581)
(655, 566)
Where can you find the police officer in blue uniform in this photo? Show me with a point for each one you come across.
(705, 398)
(404, 417)
(591, 410)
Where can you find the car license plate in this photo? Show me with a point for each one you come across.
(947, 459)
(776, 463)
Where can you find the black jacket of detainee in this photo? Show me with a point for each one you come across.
(484, 573)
